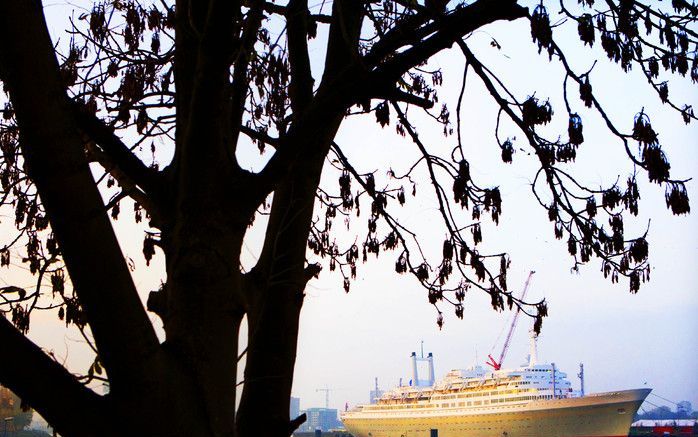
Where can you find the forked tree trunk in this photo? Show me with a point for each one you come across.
(271, 356)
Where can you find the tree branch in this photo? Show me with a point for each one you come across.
(343, 40)
(401, 96)
(54, 154)
(301, 86)
(47, 387)
(309, 137)
(260, 136)
(273, 8)
(129, 187)
(120, 155)
(241, 65)
(450, 27)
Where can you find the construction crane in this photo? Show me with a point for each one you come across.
(327, 391)
(497, 364)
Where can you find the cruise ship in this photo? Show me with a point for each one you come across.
(534, 400)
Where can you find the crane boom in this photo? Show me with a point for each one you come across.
(496, 365)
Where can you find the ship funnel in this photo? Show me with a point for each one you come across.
(415, 381)
(533, 353)
(431, 369)
(429, 380)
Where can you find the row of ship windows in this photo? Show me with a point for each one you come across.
(497, 423)
(484, 393)
(465, 404)
(479, 394)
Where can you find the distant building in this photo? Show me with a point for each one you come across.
(320, 418)
(295, 409)
(684, 408)
(8, 400)
(375, 394)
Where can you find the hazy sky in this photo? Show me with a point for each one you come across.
(625, 341)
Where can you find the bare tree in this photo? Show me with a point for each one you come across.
(194, 80)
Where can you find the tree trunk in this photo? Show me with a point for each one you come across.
(204, 309)
(271, 357)
(276, 294)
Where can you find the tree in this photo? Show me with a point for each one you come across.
(196, 80)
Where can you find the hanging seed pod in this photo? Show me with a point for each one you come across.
(383, 114)
(155, 43)
(533, 113)
(447, 250)
(478, 266)
(507, 151)
(58, 282)
(585, 93)
(642, 130)
(401, 196)
(422, 272)
(574, 130)
(432, 296)
(4, 257)
(559, 230)
(390, 241)
(631, 196)
(585, 27)
(611, 197)
(572, 246)
(639, 249)
(345, 190)
(653, 67)
(566, 152)
(477, 233)
(459, 311)
(648, 22)
(98, 22)
(148, 248)
(401, 264)
(681, 64)
(669, 36)
(626, 56)
(497, 300)
(541, 32)
(682, 40)
(634, 282)
(656, 163)
(664, 92)
(370, 185)
(141, 120)
(687, 113)
(460, 183)
(677, 198)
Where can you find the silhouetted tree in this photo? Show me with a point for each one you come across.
(194, 80)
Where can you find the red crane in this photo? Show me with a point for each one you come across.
(496, 365)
